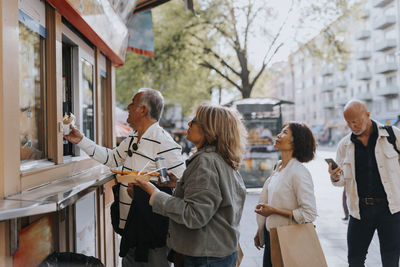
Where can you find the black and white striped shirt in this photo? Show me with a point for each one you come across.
(154, 143)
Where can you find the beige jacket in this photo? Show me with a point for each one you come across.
(290, 189)
(388, 165)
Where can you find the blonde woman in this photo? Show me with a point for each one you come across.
(207, 204)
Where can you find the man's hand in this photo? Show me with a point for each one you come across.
(257, 241)
(336, 173)
(264, 209)
(74, 135)
(172, 181)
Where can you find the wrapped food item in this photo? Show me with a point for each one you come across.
(68, 119)
(131, 176)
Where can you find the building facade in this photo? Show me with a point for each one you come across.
(367, 69)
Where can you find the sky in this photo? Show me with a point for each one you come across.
(307, 31)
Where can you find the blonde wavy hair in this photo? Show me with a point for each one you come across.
(223, 128)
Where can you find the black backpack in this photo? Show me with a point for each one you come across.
(391, 138)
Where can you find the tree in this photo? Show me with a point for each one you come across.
(173, 70)
(225, 28)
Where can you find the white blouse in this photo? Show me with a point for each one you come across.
(292, 189)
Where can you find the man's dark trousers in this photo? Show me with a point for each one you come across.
(360, 234)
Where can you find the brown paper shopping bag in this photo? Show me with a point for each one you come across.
(239, 256)
(298, 246)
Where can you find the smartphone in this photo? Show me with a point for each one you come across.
(334, 164)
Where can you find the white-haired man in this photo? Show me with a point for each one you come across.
(143, 232)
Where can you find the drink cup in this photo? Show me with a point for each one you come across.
(161, 165)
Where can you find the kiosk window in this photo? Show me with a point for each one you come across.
(67, 90)
(87, 99)
(31, 92)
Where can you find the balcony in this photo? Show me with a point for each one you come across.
(327, 71)
(388, 91)
(328, 104)
(383, 22)
(386, 67)
(341, 82)
(363, 75)
(327, 87)
(366, 96)
(363, 55)
(385, 44)
(341, 101)
(363, 34)
(365, 13)
(381, 3)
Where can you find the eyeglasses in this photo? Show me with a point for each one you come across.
(193, 121)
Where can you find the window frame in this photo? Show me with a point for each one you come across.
(35, 24)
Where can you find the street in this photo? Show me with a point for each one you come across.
(330, 227)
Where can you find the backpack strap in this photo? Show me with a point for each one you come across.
(391, 138)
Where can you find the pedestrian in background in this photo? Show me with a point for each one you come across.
(207, 204)
(288, 194)
(369, 170)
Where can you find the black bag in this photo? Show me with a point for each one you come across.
(391, 138)
(115, 210)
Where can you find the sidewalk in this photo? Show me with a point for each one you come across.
(329, 225)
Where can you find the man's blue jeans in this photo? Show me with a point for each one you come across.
(360, 234)
(228, 261)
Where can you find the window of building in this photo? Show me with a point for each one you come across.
(390, 58)
(392, 104)
(390, 80)
(32, 91)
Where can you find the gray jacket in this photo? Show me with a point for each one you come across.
(206, 207)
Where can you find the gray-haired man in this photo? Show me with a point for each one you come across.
(143, 232)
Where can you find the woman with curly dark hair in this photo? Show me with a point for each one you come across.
(288, 194)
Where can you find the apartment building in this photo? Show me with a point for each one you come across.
(366, 69)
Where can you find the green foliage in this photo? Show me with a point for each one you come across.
(174, 70)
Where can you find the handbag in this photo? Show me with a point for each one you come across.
(296, 245)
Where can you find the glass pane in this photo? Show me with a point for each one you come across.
(85, 220)
(103, 106)
(67, 90)
(88, 99)
(31, 97)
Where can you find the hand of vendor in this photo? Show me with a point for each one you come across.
(172, 181)
(74, 135)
